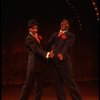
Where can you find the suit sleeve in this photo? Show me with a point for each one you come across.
(34, 48)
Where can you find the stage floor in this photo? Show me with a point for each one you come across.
(89, 91)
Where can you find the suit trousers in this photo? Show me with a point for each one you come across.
(63, 77)
(33, 80)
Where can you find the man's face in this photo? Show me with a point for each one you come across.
(64, 25)
(34, 29)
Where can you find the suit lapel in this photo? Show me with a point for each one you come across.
(35, 40)
(59, 41)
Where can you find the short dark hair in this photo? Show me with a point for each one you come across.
(32, 22)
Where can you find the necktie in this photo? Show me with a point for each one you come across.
(60, 33)
(36, 36)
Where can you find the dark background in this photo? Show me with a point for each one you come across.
(84, 24)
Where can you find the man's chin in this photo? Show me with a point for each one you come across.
(63, 29)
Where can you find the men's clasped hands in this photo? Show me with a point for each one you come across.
(51, 55)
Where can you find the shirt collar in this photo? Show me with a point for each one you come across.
(63, 31)
(33, 34)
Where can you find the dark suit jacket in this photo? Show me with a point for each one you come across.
(62, 45)
(36, 55)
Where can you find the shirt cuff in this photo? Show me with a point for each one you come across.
(47, 56)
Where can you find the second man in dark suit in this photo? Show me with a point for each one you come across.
(61, 68)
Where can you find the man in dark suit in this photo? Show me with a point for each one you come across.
(36, 60)
(61, 43)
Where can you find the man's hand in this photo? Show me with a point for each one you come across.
(51, 55)
(60, 57)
